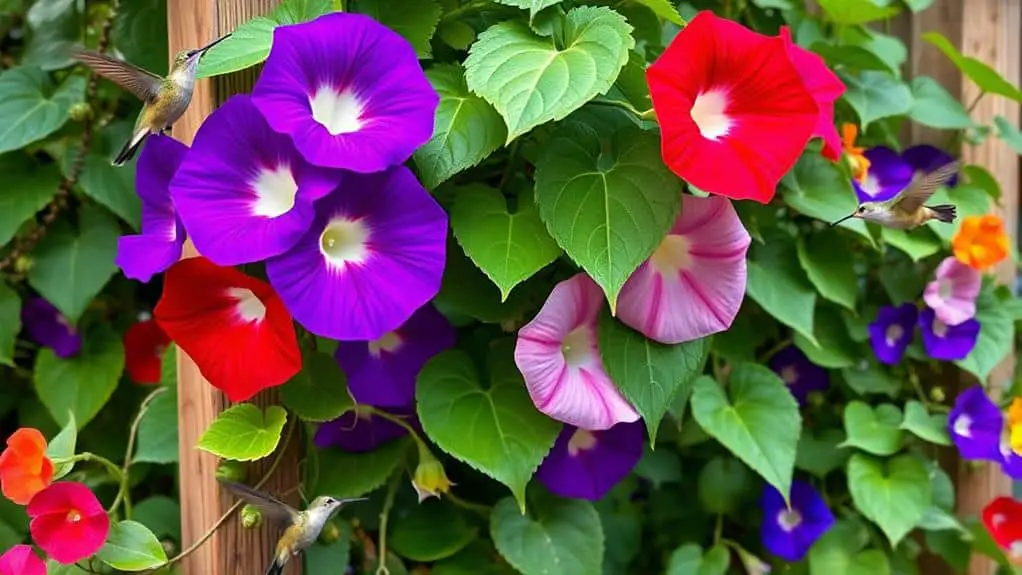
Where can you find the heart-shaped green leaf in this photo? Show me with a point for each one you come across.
(996, 335)
(760, 422)
(649, 374)
(608, 205)
(816, 187)
(834, 277)
(873, 430)
(244, 432)
(131, 546)
(689, 559)
(876, 95)
(335, 477)
(433, 530)
(894, 493)
(28, 189)
(414, 20)
(158, 430)
(496, 430)
(530, 81)
(320, 391)
(80, 385)
(839, 552)
(985, 77)
(62, 446)
(917, 244)
(32, 107)
(924, 425)
(779, 286)
(833, 347)
(820, 454)
(509, 248)
(933, 106)
(565, 533)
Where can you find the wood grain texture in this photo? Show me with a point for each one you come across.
(233, 550)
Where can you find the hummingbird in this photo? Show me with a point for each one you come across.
(164, 99)
(301, 528)
(906, 210)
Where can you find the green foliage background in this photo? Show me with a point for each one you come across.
(506, 172)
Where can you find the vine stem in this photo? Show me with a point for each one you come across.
(397, 420)
(388, 504)
(768, 354)
(468, 7)
(123, 494)
(227, 514)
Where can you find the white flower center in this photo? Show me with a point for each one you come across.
(388, 342)
(789, 519)
(709, 112)
(248, 306)
(671, 255)
(939, 328)
(575, 346)
(997, 519)
(581, 440)
(338, 112)
(963, 426)
(1015, 550)
(893, 334)
(343, 241)
(789, 374)
(275, 191)
(870, 185)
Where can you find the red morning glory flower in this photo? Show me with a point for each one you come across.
(68, 522)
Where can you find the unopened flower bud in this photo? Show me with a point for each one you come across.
(430, 479)
(231, 471)
(23, 264)
(80, 112)
(937, 394)
(250, 517)
(330, 533)
(815, 398)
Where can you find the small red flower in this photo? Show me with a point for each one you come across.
(20, 560)
(734, 111)
(24, 468)
(824, 86)
(1003, 519)
(233, 326)
(144, 344)
(68, 523)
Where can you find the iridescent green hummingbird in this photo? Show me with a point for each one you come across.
(301, 528)
(164, 99)
(906, 210)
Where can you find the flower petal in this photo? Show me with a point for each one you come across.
(947, 342)
(68, 522)
(587, 464)
(144, 344)
(24, 468)
(800, 375)
(926, 158)
(953, 292)
(348, 90)
(789, 534)
(892, 331)
(373, 255)
(48, 328)
(824, 86)
(734, 113)
(888, 174)
(21, 560)
(694, 283)
(234, 327)
(975, 425)
(558, 357)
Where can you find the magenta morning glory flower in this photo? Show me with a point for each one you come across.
(159, 245)
(348, 90)
(382, 372)
(243, 191)
(888, 174)
(372, 256)
(926, 158)
(947, 342)
(789, 533)
(801, 375)
(587, 464)
(45, 324)
(975, 424)
(952, 293)
(359, 430)
(891, 331)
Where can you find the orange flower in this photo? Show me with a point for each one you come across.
(24, 468)
(856, 156)
(981, 242)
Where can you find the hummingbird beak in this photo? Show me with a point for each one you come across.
(201, 51)
(848, 217)
(352, 500)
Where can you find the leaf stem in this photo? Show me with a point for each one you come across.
(115, 472)
(777, 347)
(479, 508)
(388, 504)
(123, 494)
(626, 106)
(227, 514)
(718, 530)
(509, 168)
(397, 420)
(465, 8)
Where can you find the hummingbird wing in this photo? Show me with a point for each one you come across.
(143, 84)
(269, 506)
(922, 187)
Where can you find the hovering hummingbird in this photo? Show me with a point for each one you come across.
(164, 99)
(302, 528)
(906, 210)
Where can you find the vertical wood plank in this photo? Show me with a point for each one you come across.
(233, 550)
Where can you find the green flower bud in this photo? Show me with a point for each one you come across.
(250, 517)
(815, 398)
(430, 479)
(231, 471)
(23, 264)
(937, 394)
(80, 111)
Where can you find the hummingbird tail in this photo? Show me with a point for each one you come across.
(130, 147)
(276, 567)
(944, 212)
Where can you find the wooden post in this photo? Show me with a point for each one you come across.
(987, 30)
(233, 550)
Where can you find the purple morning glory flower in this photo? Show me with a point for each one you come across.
(382, 372)
(45, 324)
(801, 375)
(142, 256)
(359, 430)
(373, 255)
(1011, 462)
(348, 90)
(243, 192)
(587, 464)
(891, 331)
(888, 174)
(947, 342)
(926, 158)
(975, 424)
(789, 533)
